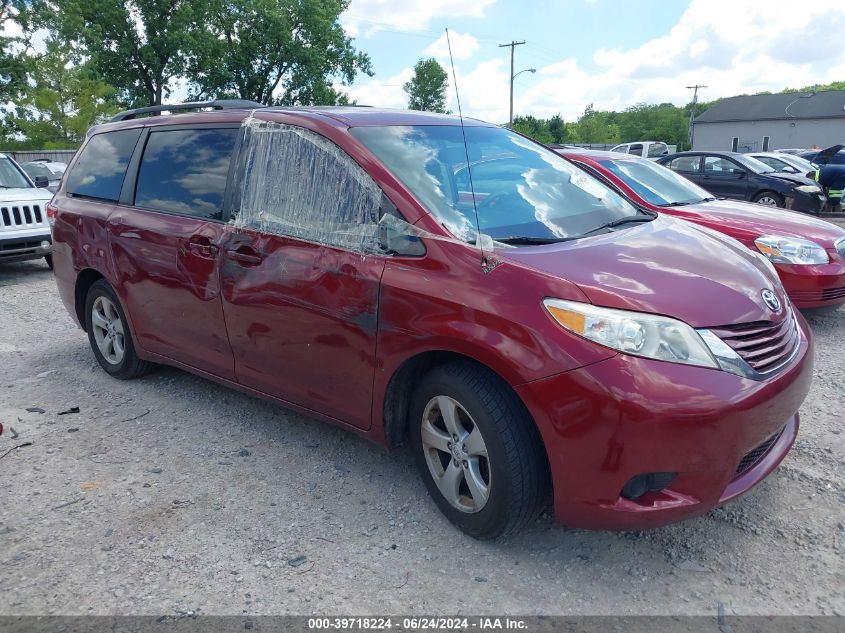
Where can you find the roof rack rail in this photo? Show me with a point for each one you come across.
(217, 104)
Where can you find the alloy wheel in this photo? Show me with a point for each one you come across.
(456, 454)
(108, 330)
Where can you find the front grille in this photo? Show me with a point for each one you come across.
(828, 294)
(765, 345)
(20, 216)
(757, 453)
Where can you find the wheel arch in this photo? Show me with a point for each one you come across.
(84, 280)
(400, 389)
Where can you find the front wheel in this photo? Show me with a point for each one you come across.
(49, 260)
(769, 199)
(478, 450)
(109, 335)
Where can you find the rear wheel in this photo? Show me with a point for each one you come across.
(769, 199)
(109, 335)
(478, 451)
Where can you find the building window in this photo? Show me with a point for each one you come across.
(765, 143)
(734, 143)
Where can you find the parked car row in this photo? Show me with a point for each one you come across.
(808, 253)
(740, 177)
(532, 325)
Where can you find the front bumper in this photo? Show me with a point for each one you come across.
(815, 286)
(18, 249)
(607, 422)
(806, 202)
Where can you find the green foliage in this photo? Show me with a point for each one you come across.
(63, 100)
(427, 88)
(138, 46)
(13, 61)
(557, 129)
(538, 129)
(251, 48)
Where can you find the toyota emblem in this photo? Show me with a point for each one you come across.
(771, 300)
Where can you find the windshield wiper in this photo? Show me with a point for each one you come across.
(525, 240)
(678, 204)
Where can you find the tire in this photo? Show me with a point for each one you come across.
(509, 460)
(49, 260)
(111, 327)
(769, 199)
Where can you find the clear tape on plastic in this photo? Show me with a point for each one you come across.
(297, 183)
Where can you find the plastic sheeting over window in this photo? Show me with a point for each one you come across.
(297, 183)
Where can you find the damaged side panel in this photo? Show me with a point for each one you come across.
(301, 272)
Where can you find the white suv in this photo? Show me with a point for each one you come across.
(24, 231)
(646, 149)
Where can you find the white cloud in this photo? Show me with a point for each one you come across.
(464, 46)
(732, 46)
(757, 48)
(384, 93)
(365, 17)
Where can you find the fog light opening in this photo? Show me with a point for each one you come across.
(647, 482)
(45, 244)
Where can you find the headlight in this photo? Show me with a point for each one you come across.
(809, 188)
(790, 250)
(636, 333)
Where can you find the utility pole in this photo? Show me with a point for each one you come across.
(691, 133)
(512, 45)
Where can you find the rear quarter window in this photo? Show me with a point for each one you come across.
(101, 166)
(185, 171)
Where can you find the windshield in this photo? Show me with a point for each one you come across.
(799, 163)
(752, 164)
(34, 169)
(10, 176)
(655, 183)
(522, 190)
(657, 149)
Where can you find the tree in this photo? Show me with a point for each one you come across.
(557, 128)
(137, 46)
(13, 61)
(287, 52)
(427, 88)
(63, 101)
(597, 126)
(538, 129)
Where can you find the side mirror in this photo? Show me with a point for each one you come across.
(395, 241)
(42, 182)
(739, 173)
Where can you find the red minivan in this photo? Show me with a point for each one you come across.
(414, 277)
(808, 253)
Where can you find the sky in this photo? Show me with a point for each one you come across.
(611, 53)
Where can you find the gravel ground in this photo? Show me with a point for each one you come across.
(169, 494)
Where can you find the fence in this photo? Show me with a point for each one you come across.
(56, 155)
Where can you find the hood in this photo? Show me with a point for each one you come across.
(826, 154)
(666, 267)
(28, 194)
(798, 179)
(748, 221)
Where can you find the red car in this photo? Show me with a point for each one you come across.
(808, 253)
(330, 259)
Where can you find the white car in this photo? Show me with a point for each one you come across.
(646, 149)
(24, 231)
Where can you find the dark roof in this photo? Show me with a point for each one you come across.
(794, 105)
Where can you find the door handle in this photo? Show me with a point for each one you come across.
(245, 256)
(202, 247)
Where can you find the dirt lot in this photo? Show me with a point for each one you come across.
(169, 494)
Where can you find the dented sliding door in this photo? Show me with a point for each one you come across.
(301, 272)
